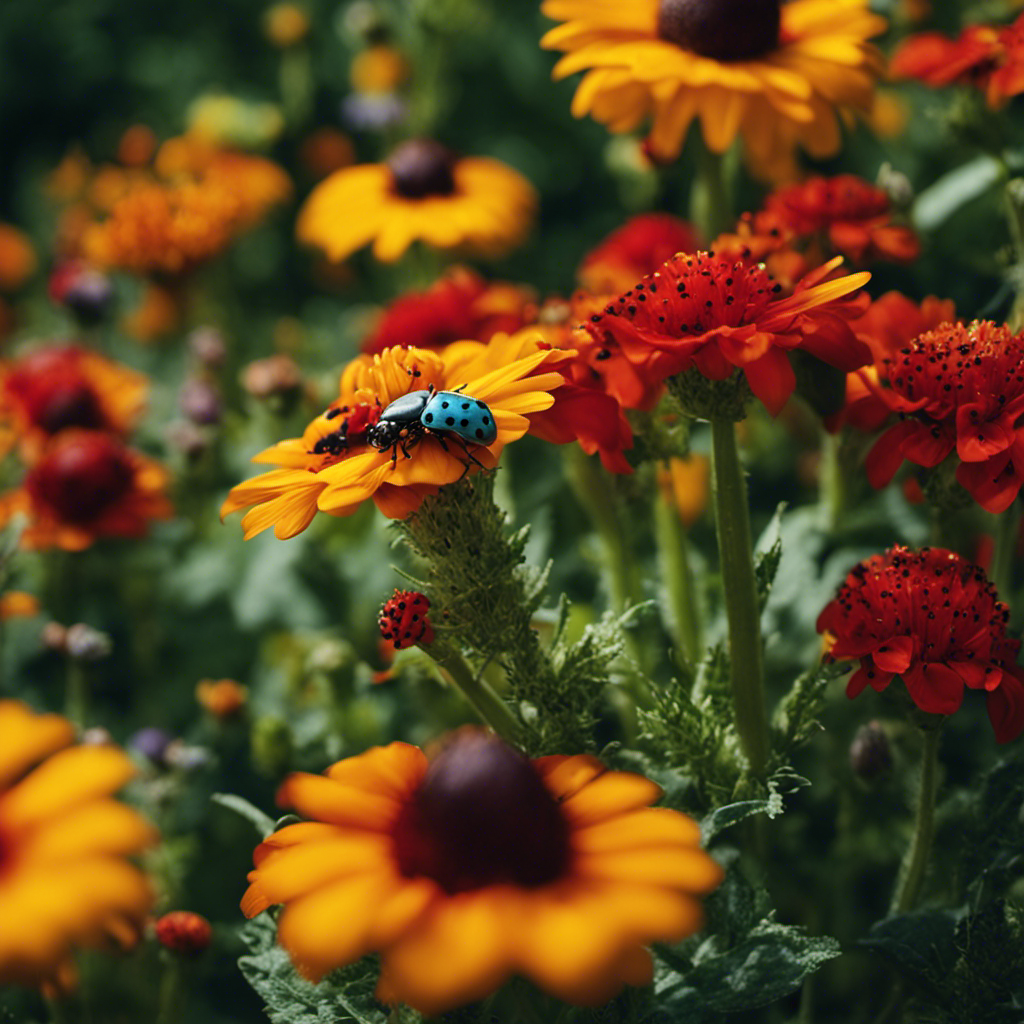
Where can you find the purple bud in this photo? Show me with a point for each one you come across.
(870, 753)
(208, 346)
(200, 401)
(152, 743)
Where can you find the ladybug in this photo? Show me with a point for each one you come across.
(404, 421)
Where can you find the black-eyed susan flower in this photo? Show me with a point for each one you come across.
(334, 468)
(776, 74)
(475, 864)
(86, 485)
(422, 192)
(65, 881)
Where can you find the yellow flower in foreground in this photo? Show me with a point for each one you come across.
(333, 468)
(64, 879)
(476, 864)
(774, 73)
(421, 192)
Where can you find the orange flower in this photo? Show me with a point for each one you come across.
(640, 246)
(686, 483)
(989, 57)
(421, 192)
(459, 305)
(17, 258)
(710, 314)
(87, 485)
(378, 69)
(475, 864)
(334, 468)
(774, 73)
(64, 878)
(285, 24)
(16, 604)
(223, 698)
(49, 389)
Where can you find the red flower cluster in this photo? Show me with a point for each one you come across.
(959, 388)
(183, 932)
(459, 306)
(715, 315)
(989, 57)
(933, 619)
(403, 620)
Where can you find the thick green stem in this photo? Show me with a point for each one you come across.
(1005, 528)
(832, 493)
(735, 550)
(493, 711)
(171, 995)
(710, 201)
(674, 556)
(915, 862)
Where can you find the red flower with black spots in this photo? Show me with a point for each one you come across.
(958, 388)
(934, 620)
(716, 315)
(403, 620)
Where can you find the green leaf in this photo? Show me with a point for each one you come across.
(343, 996)
(920, 944)
(784, 781)
(263, 823)
(768, 554)
(941, 200)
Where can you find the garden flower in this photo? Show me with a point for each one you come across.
(86, 485)
(183, 932)
(777, 74)
(989, 57)
(686, 484)
(640, 246)
(714, 315)
(421, 192)
(476, 863)
(55, 387)
(459, 305)
(65, 881)
(933, 619)
(958, 388)
(17, 258)
(223, 698)
(334, 468)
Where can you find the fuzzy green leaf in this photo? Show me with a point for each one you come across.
(920, 944)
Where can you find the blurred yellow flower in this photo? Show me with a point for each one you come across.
(285, 24)
(378, 68)
(685, 483)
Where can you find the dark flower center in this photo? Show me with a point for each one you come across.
(721, 29)
(82, 477)
(482, 816)
(422, 167)
(54, 393)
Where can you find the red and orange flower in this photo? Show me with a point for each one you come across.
(474, 864)
(55, 387)
(65, 881)
(958, 388)
(86, 485)
(934, 620)
(715, 315)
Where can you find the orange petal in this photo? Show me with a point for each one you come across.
(315, 796)
(608, 795)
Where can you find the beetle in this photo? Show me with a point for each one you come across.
(438, 413)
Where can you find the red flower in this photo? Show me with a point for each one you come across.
(714, 315)
(933, 619)
(988, 57)
(853, 214)
(637, 248)
(403, 620)
(958, 388)
(183, 932)
(889, 324)
(460, 305)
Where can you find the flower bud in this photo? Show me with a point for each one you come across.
(870, 752)
(152, 743)
(223, 698)
(188, 438)
(208, 346)
(276, 377)
(183, 932)
(84, 291)
(54, 637)
(271, 743)
(84, 643)
(200, 401)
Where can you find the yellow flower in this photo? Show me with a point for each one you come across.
(223, 698)
(774, 73)
(17, 604)
(334, 468)
(421, 192)
(377, 69)
(685, 484)
(475, 864)
(64, 879)
(285, 24)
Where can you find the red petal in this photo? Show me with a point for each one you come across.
(1006, 707)
(935, 688)
(887, 455)
(772, 379)
(894, 655)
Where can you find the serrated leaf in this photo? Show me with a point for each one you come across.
(768, 554)
(263, 823)
(920, 943)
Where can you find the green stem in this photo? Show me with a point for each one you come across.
(735, 550)
(60, 1010)
(1005, 528)
(710, 201)
(832, 494)
(171, 995)
(76, 691)
(1012, 196)
(493, 711)
(915, 862)
(674, 556)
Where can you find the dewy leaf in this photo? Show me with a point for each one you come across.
(343, 996)
(263, 823)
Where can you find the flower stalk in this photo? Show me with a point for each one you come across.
(676, 571)
(1005, 528)
(912, 871)
(735, 549)
(710, 199)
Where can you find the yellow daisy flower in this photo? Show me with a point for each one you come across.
(64, 879)
(421, 192)
(334, 467)
(476, 863)
(774, 73)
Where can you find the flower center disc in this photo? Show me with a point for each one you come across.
(83, 478)
(721, 29)
(422, 167)
(482, 816)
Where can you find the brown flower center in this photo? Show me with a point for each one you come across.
(422, 167)
(54, 393)
(721, 29)
(82, 477)
(482, 816)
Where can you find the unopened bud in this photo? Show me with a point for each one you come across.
(54, 637)
(87, 644)
(188, 438)
(184, 757)
(97, 736)
(151, 743)
(200, 401)
(84, 291)
(208, 346)
(870, 752)
(183, 932)
(271, 742)
(223, 698)
(274, 377)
